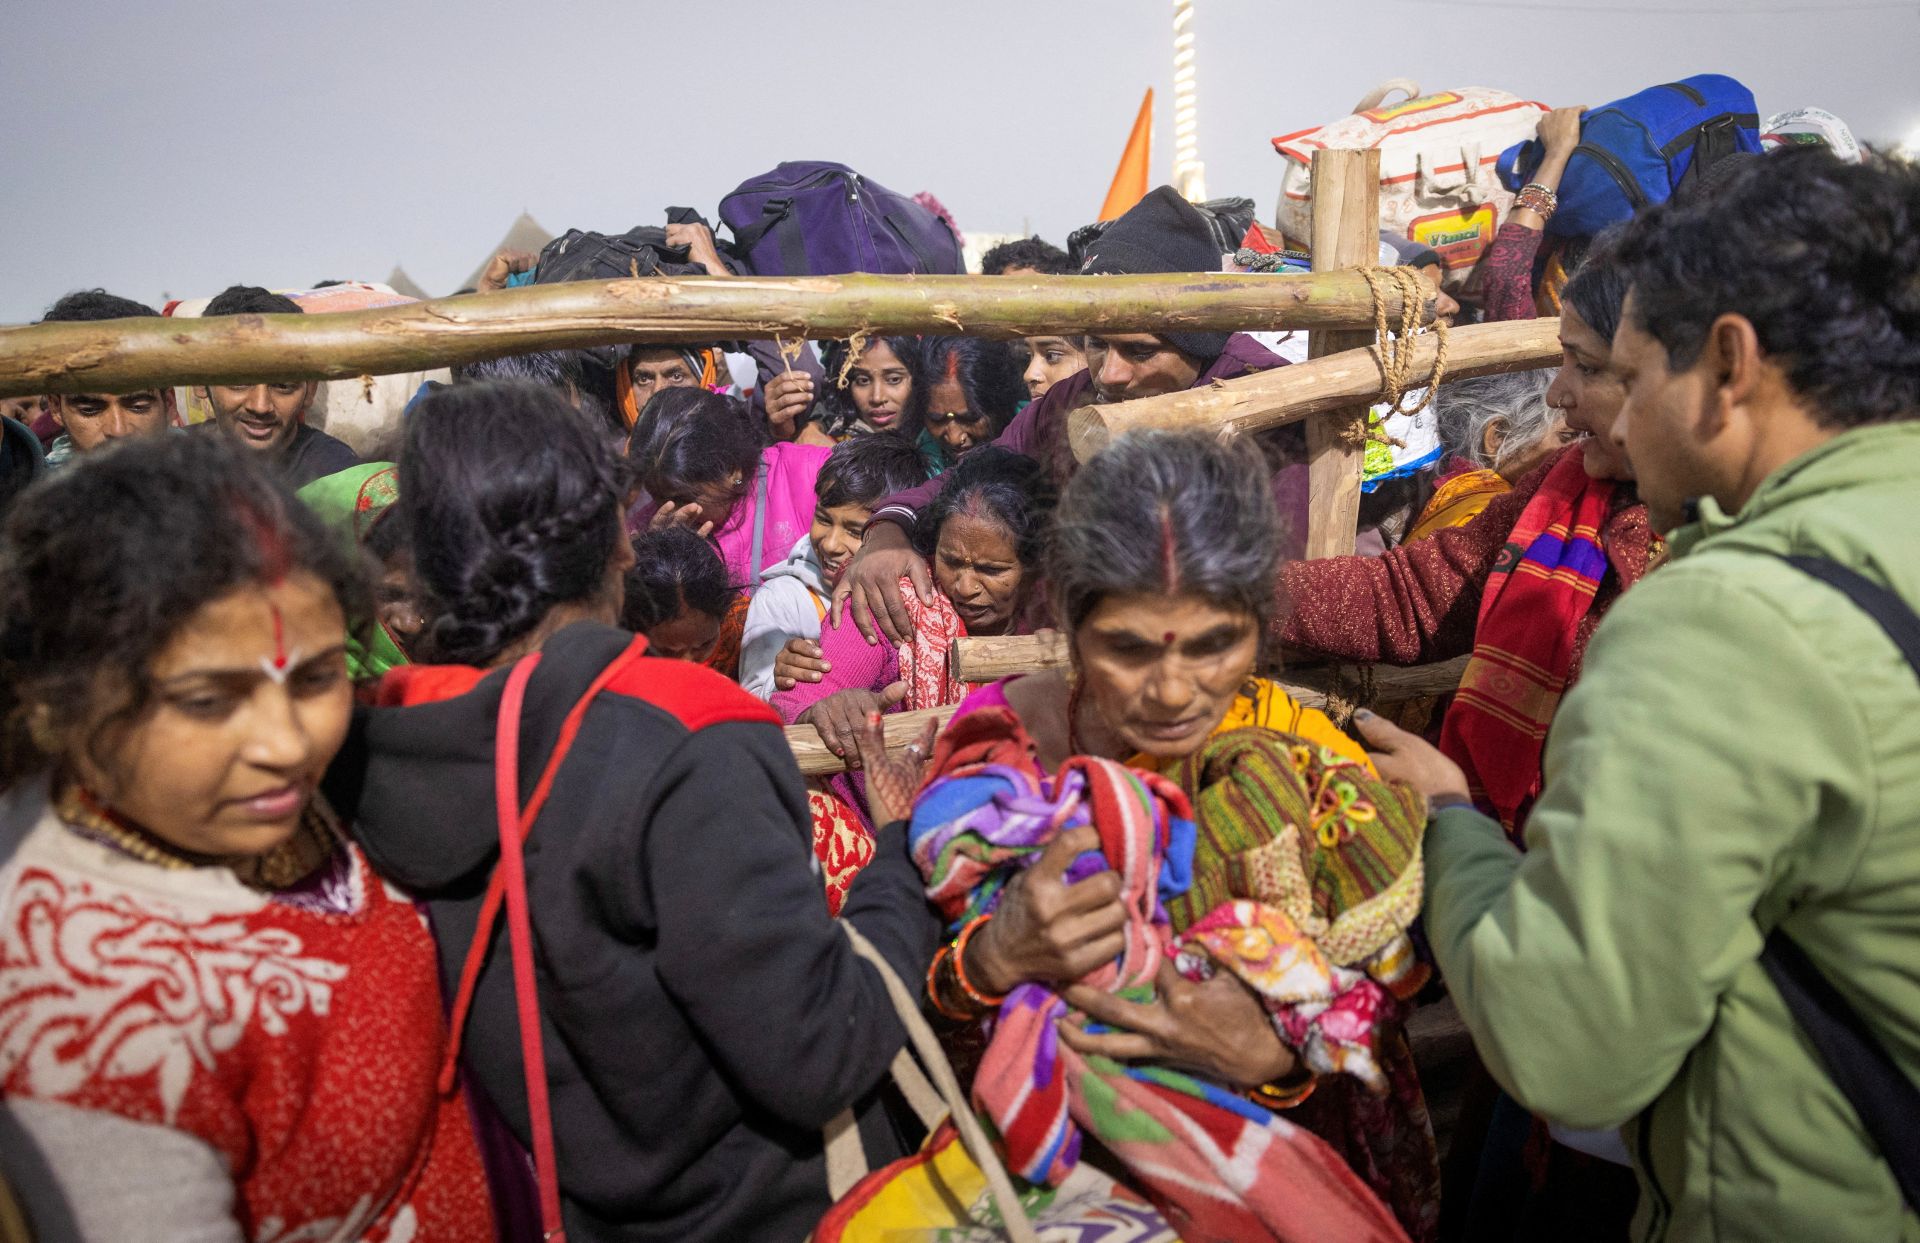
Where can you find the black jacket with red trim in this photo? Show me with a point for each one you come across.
(703, 1017)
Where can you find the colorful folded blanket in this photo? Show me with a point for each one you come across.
(1328, 1014)
(1217, 1165)
(1294, 826)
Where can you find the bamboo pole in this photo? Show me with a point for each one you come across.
(1391, 684)
(1346, 234)
(989, 658)
(1310, 685)
(898, 729)
(1266, 399)
(119, 355)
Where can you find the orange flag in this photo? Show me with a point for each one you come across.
(1130, 179)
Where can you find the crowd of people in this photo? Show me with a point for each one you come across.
(409, 848)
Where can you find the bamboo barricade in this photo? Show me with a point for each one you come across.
(1346, 234)
(899, 729)
(987, 660)
(1337, 305)
(990, 659)
(1267, 399)
(120, 355)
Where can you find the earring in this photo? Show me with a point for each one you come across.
(46, 739)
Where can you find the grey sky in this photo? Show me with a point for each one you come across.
(179, 147)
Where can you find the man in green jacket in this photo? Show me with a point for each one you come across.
(1742, 750)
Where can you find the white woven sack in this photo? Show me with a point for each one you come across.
(1438, 153)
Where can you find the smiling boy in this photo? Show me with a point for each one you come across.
(793, 595)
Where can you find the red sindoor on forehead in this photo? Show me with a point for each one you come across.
(279, 639)
(269, 536)
(1169, 572)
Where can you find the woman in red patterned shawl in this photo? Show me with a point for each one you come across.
(218, 1022)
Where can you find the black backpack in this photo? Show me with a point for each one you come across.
(580, 255)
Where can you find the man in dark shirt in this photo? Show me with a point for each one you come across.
(89, 421)
(271, 419)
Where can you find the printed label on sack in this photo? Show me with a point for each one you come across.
(1426, 103)
(1459, 238)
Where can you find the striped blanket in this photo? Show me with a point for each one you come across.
(1218, 1165)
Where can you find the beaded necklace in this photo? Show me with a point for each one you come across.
(313, 841)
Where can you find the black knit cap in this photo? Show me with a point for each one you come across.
(1161, 233)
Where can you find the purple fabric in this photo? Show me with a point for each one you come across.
(816, 218)
(992, 695)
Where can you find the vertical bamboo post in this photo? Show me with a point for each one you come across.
(1346, 234)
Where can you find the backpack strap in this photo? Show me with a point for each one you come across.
(928, 265)
(762, 480)
(1895, 615)
(1887, 1100)
(772, 212)
(793, 246)
(509, 885)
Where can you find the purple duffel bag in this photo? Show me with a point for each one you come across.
(813, 218)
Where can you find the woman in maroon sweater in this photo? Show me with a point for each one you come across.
(1577, 524)
(1442, 596)
(1507, 291)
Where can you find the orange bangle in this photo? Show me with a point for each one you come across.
(933, 986)
(974, 995)
(1276, 1097)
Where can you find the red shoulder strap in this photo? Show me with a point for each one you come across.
(509, 883)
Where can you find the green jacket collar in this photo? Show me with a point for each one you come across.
(1864, 455)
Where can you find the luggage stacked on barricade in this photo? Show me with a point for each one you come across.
(1439, 157)
(1637, 151)
(1227, 219)
(582, 255)
(815, 218)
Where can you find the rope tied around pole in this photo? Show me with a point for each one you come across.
(856, 346)
(1394, 355)
(1347, 695)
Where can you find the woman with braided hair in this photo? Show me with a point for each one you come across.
(703, 1019)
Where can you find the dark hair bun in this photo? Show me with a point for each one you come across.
(514, 503)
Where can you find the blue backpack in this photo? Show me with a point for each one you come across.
(1637, 151)
(813, 218)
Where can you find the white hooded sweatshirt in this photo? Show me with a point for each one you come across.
(793, 597)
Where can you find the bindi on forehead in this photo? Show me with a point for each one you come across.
(255, 630)
(282, 661)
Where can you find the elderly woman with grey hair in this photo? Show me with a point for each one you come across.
(1503, 426)
(1161, 570)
